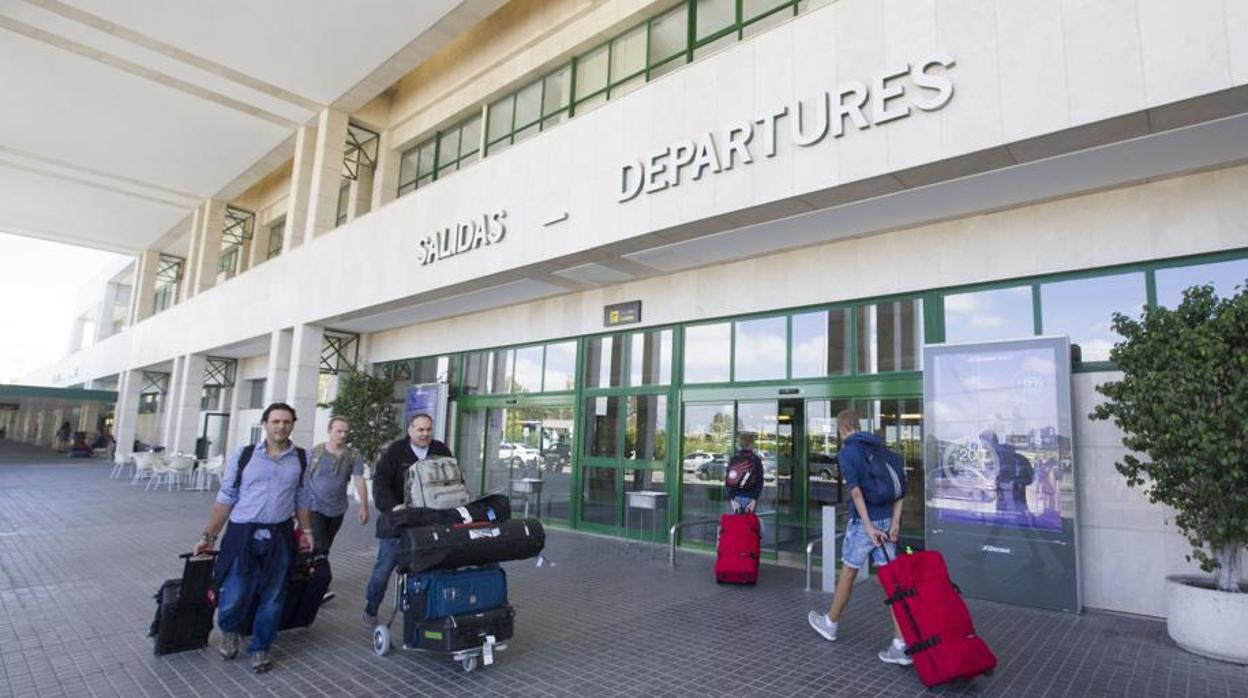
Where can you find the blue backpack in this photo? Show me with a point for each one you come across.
(885, 479)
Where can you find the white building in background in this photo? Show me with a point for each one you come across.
(619, 230)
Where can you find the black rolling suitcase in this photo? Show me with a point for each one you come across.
(309, 580)
(459, 632)
(184, 608)
(449, 547)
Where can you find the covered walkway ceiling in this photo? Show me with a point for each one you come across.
(32, 398)
(120, 116)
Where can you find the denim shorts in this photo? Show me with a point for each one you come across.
(857, 545)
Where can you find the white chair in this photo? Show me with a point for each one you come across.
(144, 466)
(120, 465)
(159, 471)
(178, 468)
(213, 467)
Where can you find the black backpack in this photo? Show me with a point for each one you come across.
(245, 457)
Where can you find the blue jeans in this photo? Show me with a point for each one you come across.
(238, 590)
(387, 551)
(858, 546)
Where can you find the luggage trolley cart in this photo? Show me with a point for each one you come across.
(468, 656)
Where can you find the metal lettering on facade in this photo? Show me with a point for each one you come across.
(810, 121)
(462, 237)
(621, 314)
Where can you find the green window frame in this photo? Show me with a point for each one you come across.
(344, 201)
(417, 165)
(277, 232)
(537, 106)
(623, 401)
(1036, 284)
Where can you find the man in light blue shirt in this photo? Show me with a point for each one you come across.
(259, 498)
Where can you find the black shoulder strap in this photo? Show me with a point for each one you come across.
(245, 457)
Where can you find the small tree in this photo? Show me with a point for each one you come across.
(1183, 403)
(365, 400)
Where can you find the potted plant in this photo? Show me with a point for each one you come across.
(367, 402)
(1182, 402)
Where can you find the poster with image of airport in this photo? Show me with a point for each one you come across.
(998, 450)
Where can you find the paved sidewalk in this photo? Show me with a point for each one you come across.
(81, 555)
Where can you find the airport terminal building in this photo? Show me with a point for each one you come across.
(618, 232)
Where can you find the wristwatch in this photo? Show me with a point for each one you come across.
(208, 537)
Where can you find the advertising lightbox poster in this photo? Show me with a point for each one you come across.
(431, 399)
(1000, 497)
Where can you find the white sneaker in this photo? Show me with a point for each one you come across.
(896, 654)
(821, 624)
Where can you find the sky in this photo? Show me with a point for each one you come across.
(39, 282)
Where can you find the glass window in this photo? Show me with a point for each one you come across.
(645, 434)
(255, 399)
(707, 349)
(601, 427)
(598, 501)
(148, 403)
(477, 373)
(761, 348)
(424, 166)
(1224, 276)
(706, 445)
(604, 359)
(448, 149)
(276, 232)
(558, 91)
(1083, 309)
(628, 54)
(407, 170)
(591, 72)
(890, 336)
(651, 358)
(500, 118)
(821, 344)
(1000, 313)
(669, 34)
(560, 367)
(502, 363)
(470, 137)
(529, 105)
(528, 370)
(344, 198)
(756, 8)
(714, 16)
(432, 369)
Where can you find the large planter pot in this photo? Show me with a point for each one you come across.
(1205, 621)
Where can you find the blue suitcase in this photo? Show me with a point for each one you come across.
(442, 593)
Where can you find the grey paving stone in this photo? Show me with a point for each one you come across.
(81, 556)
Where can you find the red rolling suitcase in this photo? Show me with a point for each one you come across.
(737, 561)
(934, 620)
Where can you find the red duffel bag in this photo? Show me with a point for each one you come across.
(934, 620)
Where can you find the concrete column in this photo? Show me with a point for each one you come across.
(187, 287)
(208, 251)
(305, 373)
(186, 409)
(236, 400)
(386, 178)
(75, 335)
(300, 188)
(104, 313)
(279, 366)
(144, 290)
(87, 416)
(259, 246)
(126, 413)
(167, 412)
(360, 201)
(331, 136)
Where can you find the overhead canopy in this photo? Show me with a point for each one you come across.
(38, 398)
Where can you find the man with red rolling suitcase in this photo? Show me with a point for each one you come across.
(740, 532)
(876, 482)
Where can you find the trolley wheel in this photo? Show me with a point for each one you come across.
(381, 640)
(468, 663)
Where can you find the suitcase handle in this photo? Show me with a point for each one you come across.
(187, 556)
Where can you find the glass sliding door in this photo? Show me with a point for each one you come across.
(706, 447)
(522, 452)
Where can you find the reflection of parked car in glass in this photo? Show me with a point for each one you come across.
(694, 459)
(824, 466)
(517, 453)
(714, 469)
(557, 457)
(769, 465)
